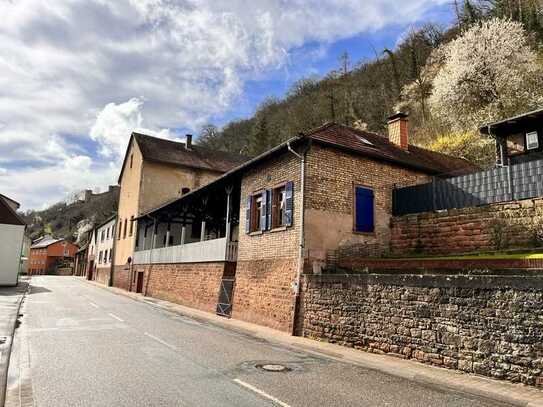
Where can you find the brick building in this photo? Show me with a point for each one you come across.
(277, 216)
(155, 171)
(48, 254)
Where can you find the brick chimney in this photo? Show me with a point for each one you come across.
(398, 132)
(188, 141)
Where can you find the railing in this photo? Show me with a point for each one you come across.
(501, 184)
(208, 250)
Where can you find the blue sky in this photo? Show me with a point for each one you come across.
(79, 76)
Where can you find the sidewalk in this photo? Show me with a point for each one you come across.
(10, 303)
(515, 394)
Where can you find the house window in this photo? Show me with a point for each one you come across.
(120, 229)
(185, 190)
(270, 208)
(532, 142)
(107, 233)
(278, 206)
(131, 160)
(256, 212)
(364, 210)
(110, 255)
(100, 257)
(131, 225)
(105, 256)
(124, 232)
(102, 235)
(515, 144)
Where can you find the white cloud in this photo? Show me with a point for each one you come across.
(84, 67)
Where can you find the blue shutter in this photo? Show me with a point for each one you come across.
(263, 211)
(364, 210)
(268, 209)
(248, 215)
(289, 204)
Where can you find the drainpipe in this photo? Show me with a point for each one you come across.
(299, 271)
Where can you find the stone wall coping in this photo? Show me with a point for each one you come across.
(522, 280)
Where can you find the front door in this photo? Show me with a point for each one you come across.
(139, 282)
(91, 269)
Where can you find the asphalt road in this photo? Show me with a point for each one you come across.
(87, 346)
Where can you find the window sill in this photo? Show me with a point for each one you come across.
(255, 233)
(278, 229)
(364, 233)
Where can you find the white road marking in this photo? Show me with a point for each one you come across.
(160, 341)
(94, 305)
(116, 317)
(260, 392)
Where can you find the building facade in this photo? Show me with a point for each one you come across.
(49, 255)
(282, 214)
(155, 171)
(12, 235)
(101, 251)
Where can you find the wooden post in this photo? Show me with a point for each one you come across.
(183, 234)
(155, 227)
(203, 231)
(168, 235)
(228, 209)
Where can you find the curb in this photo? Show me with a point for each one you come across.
(480, 386)
(4, 365)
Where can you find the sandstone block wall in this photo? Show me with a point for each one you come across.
(481, 228)
(489, 325)
(194, 285)
(121, 277)
(263, 292)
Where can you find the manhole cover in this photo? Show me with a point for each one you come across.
(273, 368)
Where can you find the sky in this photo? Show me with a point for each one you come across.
(78, 76)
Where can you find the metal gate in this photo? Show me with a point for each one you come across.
(224, 305)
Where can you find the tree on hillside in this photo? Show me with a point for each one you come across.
(487, 73)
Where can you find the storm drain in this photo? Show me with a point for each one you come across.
(274, 368)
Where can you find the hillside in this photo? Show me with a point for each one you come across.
(365, 93)
(71, 220)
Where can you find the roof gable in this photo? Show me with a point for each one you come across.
(175, 153)
(8, 216)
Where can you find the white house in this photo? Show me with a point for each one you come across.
(12, 230)
(100, 251)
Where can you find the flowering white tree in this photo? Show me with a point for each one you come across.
(488, 73)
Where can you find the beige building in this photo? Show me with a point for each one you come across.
(155, 171)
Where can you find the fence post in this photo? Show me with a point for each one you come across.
(510, 183)
(434, 203)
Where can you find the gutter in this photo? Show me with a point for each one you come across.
(300, 266)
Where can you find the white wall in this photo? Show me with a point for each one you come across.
(11, 242)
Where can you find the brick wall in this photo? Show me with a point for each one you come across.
(331, 177)
(267, 262)
(263, 293)
(468, 229)
(488, 325)
(121, 275)
(194, 285)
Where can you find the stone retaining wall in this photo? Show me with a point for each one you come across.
(194, 285)
(481, 228)
(489, 325)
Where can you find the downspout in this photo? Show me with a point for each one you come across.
(299, 270)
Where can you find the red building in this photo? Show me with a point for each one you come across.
(48, 255)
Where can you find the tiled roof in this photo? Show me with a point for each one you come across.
(379, 147)
(7, 215)
(172, 152)
(48, 241)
